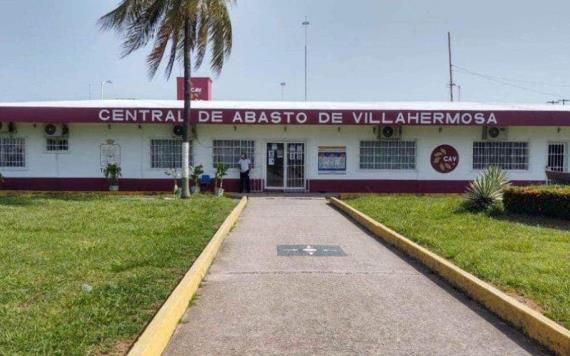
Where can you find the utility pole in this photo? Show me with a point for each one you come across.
(306, 24)
(451, 84)
(283, 84)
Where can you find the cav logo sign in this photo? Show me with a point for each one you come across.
(444, 159)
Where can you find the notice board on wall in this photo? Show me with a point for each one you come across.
(110, 153)
(332, 159)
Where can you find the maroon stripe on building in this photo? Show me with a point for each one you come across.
(395, 186)
(232, 185)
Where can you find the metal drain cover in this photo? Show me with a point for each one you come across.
(310, 250)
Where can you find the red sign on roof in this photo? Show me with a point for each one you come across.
(201, 88)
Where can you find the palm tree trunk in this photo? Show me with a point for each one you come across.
(185, 189)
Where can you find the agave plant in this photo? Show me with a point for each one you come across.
(486, 191)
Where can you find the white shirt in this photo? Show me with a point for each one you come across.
(244, 165)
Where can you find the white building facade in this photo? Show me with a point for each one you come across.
(301, 147)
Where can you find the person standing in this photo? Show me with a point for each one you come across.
(244, 167)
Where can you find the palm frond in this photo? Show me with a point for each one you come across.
(144, 27)
(127, 9)
(162, 22)
(220, 34)
(161, 42)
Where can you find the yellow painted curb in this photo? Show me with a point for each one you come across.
(550, 334)
(156, 336)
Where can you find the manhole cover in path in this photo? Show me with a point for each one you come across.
(310, 250)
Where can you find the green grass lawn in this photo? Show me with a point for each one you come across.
(523, 255)
(84, 273)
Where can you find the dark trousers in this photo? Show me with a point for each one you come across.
(244, 182)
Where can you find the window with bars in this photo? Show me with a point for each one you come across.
(505, 155)
(387, 155)
(558, 157)
(12, 152)
(57, 144)
(167, 153)
(228, 152)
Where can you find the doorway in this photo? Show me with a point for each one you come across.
(285, 166)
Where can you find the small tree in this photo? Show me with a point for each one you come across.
(113, 172)
(197, 171)
(1, 180)
(221, 172)
(486, 191)
(174, 174)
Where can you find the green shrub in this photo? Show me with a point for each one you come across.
(112, 172)
(486, 191)
(550, 201)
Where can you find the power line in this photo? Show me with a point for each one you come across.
(518, 80)
(504, 82)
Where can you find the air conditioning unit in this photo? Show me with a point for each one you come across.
(7, 127)
(178, 130)
(389, 132)
(55, 130)
(494, 133)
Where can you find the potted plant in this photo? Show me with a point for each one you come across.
(197, 171)
(221, 172)
(113, 173)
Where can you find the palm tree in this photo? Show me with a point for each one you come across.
(183, 28)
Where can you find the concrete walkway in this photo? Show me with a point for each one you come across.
(371, 301)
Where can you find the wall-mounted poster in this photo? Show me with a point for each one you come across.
(332, 159)
(110, 153)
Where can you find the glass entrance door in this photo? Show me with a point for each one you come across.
(275, 164)
(296, 166)
(285, 164)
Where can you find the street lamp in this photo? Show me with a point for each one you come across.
(103, 86)
(306, 24)
(283, 84)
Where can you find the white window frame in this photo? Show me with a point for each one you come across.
(66, 138)
(566, 155)
(150, 152)
(24, 153)
(485, 166)
(376, 156)
(234, 165)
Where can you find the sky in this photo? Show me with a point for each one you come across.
(358, 50)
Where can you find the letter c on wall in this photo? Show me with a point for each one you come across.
(104, 115)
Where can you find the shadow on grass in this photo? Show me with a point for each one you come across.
(535, 221)
(499, 214)
(28, 199)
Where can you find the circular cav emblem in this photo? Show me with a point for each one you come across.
(444, 159)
